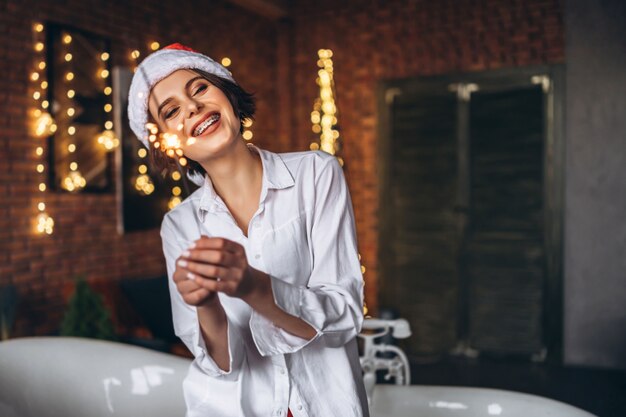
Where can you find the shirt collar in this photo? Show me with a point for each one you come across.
(276, 175)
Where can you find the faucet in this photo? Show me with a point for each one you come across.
(397, 366)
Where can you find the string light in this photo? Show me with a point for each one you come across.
(365, 309)
(107, 138)
(73, 180)
(143, 182)
(247, 133)
(170, 144)
(43, 126)
(323, 116)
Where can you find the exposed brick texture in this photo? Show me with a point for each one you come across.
(371, 41)
(85, 240)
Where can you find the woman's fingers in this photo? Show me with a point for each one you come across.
(190, 290)
(187, 285)
(198, 296)
(213, 265)
(197, 269)
(213, 285)
(218, 243)
(180, 275)
(210, 256)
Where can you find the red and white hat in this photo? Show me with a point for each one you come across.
(153, 69)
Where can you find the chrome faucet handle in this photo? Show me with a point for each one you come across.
(400, 328)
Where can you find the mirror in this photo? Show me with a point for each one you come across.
(80, 100)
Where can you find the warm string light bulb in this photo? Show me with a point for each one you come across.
(324, 114)
(43, 126)
(365, 309)
(247, 133)
(134, 56)
(108, 140)
(45, 223)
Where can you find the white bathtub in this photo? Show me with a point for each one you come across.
(435, 401)
(70, 377)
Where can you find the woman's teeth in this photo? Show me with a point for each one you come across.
(202, 127)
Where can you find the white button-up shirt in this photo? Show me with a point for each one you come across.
(303, 235)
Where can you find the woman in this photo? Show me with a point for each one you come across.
(265, 280)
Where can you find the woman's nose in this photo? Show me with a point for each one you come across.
(193, 107)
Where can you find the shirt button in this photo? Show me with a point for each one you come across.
(257, 256)
(282, 371)
(257, 224)
(279, 412)
(299, 407)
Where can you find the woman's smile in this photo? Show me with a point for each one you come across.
(207, 126)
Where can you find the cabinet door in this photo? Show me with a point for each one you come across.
(470, 247)
(419, 247)
(503, 254)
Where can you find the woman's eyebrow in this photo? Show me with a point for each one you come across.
(167, 100)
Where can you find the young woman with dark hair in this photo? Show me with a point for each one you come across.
(264, 275)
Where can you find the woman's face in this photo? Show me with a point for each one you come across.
(198, 112)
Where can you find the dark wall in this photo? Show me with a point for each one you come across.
(595, 193)
(376, 40)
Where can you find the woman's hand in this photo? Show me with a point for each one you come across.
(192, 293)
(213, 258)
(218, 264)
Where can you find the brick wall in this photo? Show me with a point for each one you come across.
(371, 41)
(377, 40)
(85, 240)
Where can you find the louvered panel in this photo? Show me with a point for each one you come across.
(423, 181)
(504, 255)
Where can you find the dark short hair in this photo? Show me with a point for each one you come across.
(243, 104)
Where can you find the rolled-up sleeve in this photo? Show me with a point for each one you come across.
(185, 316)
(332, 299)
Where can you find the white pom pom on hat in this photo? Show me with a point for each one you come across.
(153, 69)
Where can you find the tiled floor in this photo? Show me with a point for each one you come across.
(601, 392)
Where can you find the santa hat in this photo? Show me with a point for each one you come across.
(153, 69)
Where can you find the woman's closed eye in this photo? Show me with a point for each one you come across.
(171, 112)
(201, 88)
